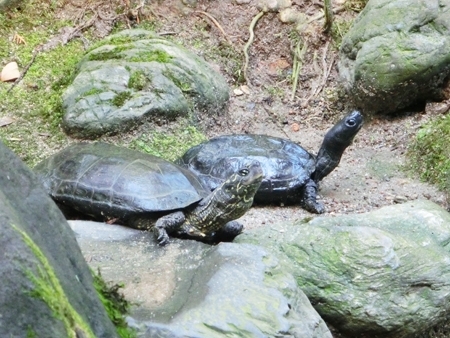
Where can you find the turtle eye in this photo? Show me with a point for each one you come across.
(243, 172)
(351, 122)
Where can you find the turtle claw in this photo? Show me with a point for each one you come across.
(161, 236)
(314, 207)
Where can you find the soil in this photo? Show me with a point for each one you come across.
(371, 173)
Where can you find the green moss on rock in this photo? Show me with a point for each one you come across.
(138, 80)
(429, 153)
(115, 304)
(120, 98)
(154, 56)
(48, 288)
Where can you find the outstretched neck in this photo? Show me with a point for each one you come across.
(328, 157)
(336, 140)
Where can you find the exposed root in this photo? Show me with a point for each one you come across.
(209, 16)
(249, 42)
(297, 65)
(326, 73)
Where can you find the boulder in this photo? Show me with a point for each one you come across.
(46, 286)
(396, 54)
(190, 289)
(385, 273)
(134, 77)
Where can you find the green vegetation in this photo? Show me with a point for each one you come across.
(340, 27)
(93, 91)
(429, 154)
(169, 146)
(120, 98)
(35, 103)
(111, 54)
(138, 80)
(115, 304)
(48, 289)
(157, 55)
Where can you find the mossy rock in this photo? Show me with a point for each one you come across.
(396, 54)
(384, 273)
(47, 288)
(135, 76)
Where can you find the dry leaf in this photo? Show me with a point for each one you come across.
(10, 72)
(19, 39)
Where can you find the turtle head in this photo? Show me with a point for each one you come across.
(336, 140)
(236, 194)
(244, 183)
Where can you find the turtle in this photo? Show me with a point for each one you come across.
(143, 191)
(291, 173)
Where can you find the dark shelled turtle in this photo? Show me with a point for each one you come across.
(291, 173)
(144, 191)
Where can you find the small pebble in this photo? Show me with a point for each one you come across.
(238, 92)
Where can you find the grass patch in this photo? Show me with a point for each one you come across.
(429, 153)
(35, 103)
(169, 146)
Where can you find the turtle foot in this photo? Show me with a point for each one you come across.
(228, 232)
(161, 236)
(314, 207)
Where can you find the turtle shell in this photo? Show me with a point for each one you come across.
(286, 165)
(104, 180)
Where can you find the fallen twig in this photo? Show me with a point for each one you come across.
(25, 70)
(326, 73)
(249, 42)
(297, 65)
(217, 25)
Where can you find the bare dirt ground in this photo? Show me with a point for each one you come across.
(370, 174)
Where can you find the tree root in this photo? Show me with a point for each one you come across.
(249, 42)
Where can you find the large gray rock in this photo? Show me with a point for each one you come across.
(137, 76)
(397, 53)
(46, 286)
(190, 289)
(381, 274)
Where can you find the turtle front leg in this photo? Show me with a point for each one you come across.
(167, 225)
(228, 232)
(310, 198)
